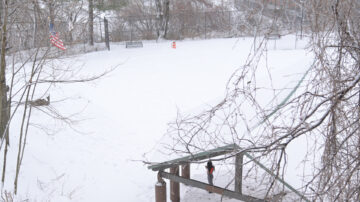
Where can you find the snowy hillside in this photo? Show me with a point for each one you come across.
(124, 116)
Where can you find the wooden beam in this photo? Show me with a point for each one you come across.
(208, 187)
(195, 157)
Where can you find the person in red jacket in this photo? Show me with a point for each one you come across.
(210, 169)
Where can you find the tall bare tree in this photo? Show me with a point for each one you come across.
(162, 15)
(3, 87)
(3, 66)
(91, 22)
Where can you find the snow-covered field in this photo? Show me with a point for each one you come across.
(125, 116)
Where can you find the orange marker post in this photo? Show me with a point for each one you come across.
(173, 45)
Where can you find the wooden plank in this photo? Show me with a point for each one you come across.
(208, 187)
(196, 157)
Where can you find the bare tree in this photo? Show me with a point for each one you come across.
(3, 90)
(91, 22)
(22, 72)
(162, 14)
(325, 110)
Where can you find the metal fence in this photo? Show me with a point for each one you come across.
(200, 25)
(24, 35)
(184, 24)
(181, 25)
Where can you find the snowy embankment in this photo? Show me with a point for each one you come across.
(125, 116)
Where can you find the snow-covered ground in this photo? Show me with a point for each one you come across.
(125, 116)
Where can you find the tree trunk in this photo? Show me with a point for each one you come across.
(5, 158)
(91, 22)
(159, 18)
(3, 98)
(71, 29)
(162, 15)
(18, 162)
(166, 16)
(23, 133)
(51, 12)
(1, 17)
(35, 24)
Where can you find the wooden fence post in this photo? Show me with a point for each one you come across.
(238, 172)
(160, 190)
(185, 171)
(174, 186)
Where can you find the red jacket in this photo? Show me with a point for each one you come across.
(210, 167)
(211, 170)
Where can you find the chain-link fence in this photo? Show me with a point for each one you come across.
(205, 25)
(182, 24)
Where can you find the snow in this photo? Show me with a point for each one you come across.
(124, 116)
